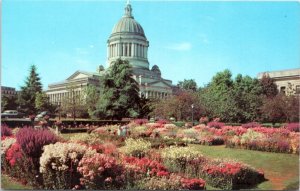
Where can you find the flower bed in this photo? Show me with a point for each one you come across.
(218, 173)
(95, 161)
(266, 139)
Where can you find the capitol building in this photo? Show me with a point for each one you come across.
(127, 42)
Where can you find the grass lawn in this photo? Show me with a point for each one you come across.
(8, 183)
(281, 170)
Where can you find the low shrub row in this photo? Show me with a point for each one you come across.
(222, 174)
(264, 139)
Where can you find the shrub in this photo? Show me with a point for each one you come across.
(139, 169)
(251, 125)
(145, 166)
(140, 121)
(191, 133)
(216, 124)
(13, 154)
(106, 148)
(294, 142)
(5, 131)
(250, 135)
(32, 140)
(295, 127)
(230, 175)
(139, 130)
(101, 172)
(193, 184)
(176, 159)
(159, 183)
(173, 182)
(15, 130)
(14, 157)
(203, 120)
(86, 138)
(136, 147)
(6, 143)
(59, 163)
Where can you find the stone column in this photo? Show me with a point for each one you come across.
(128, 49)
(142, 51)
(140, 79)
(123, 49)
(146, 52)
(132, 49)
(112, 50)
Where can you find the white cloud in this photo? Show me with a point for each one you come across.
(184, 46)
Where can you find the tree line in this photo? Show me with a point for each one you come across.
(240, 99)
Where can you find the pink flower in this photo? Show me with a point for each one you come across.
(108, 179)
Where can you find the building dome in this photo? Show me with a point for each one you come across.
(128, 41)
(128, 25)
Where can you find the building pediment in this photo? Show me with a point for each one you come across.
(160, 83)
(78, 75)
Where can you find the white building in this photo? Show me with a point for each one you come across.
(287, 81)
(128, 42)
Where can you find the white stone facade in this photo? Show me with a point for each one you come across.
(287, 81)
(127, 42)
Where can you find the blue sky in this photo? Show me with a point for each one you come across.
(188, 40)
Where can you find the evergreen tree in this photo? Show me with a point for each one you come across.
(119, 94)
(28, 92)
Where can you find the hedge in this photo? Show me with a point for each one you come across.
(16, 122)
(12, 123)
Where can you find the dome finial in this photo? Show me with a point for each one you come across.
(128, 10)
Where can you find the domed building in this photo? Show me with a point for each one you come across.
(128, 42)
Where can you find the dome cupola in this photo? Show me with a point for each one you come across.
(156, 70)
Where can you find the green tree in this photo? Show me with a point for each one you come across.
(42, 103)
(246, 92)
(74, 104)
(178, 106)
(269, 88)
(189, 85)
(28, 92)
(119, 97)
(272, 109)
(280, 108)
(91, 98)
(145, 107)
(9, 103)
(217, 98)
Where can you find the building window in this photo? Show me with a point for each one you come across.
(298, 89)
(282, 89)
